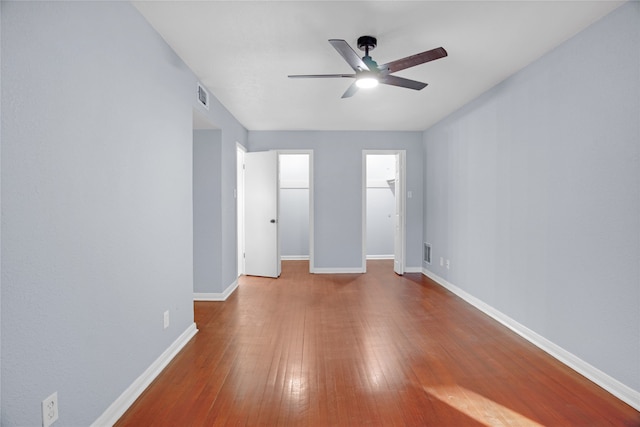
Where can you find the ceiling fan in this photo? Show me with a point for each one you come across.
(367, 71)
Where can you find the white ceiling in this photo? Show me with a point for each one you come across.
(242, 51)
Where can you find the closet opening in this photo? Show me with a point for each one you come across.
(383, 207)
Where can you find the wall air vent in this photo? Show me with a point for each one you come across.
(203, 96)
(427, 253)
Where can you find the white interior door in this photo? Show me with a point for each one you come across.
(262, 254)
(398, 241)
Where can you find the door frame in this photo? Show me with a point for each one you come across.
(239, 195)
(311, 198)
(402, 160)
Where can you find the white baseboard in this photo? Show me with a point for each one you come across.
(216, 296)
(126, 399)
(338, 270)
(357, 270)
(380, 256)
(294, 257)
(613, 386)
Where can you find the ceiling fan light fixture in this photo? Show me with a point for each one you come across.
(367, 81)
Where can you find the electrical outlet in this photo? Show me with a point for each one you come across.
(448, 264)
(50, 410)
(166, 319)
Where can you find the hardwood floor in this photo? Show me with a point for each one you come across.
(371, 349)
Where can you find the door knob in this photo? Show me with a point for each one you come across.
(273, 221)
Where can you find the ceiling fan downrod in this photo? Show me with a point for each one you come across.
(367, 43)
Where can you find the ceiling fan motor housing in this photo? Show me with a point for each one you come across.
(367, 43)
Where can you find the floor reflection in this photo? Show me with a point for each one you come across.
(478, 407)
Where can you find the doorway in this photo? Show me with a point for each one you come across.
(383, 222)
(294, 217)
(295, 206)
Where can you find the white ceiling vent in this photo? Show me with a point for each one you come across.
(203, 96)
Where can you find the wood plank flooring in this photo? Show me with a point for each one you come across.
(371, 349)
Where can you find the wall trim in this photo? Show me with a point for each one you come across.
(294, 257)
(126, 399)
(613, 386)
(358, 270)
(216, 296)
(390, 256)
(338, 270)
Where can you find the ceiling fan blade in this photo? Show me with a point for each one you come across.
(402, 82)
(413, 60)
(349, 55)
(320, 76)
(351, 90)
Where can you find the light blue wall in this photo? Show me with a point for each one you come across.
(207, 249)
(533, 192)
(232, 132)
(338, 188)
(97, 218)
